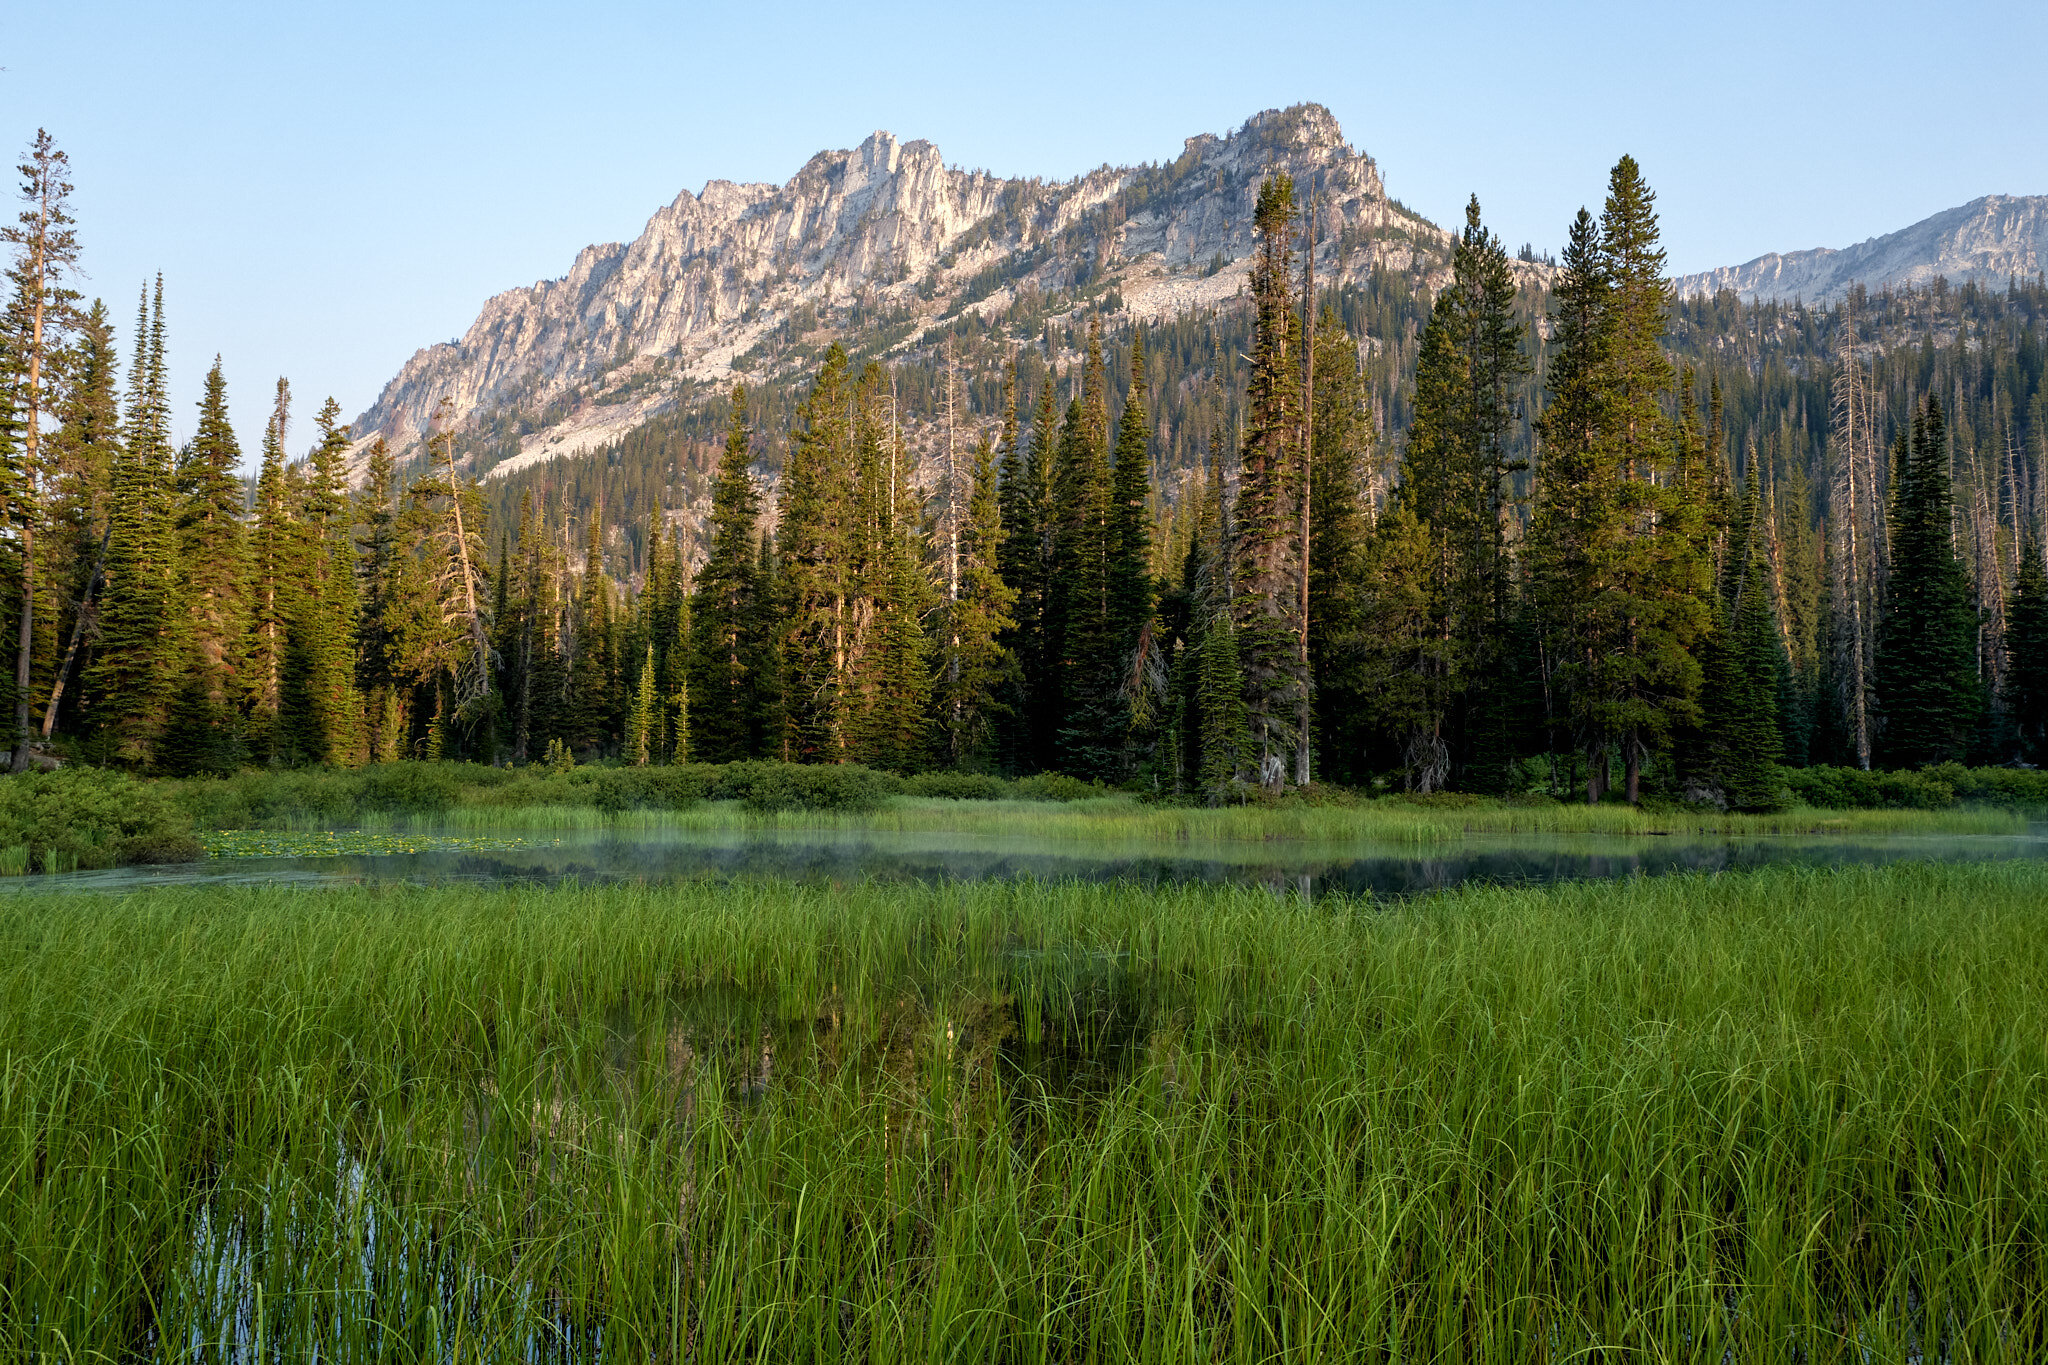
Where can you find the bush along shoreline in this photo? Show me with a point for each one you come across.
(74, 819)
(79, 818)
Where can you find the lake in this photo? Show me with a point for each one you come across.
(1320, 867)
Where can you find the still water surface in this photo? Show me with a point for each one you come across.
(1352, 867)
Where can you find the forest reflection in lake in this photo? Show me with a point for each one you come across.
(1353, 868)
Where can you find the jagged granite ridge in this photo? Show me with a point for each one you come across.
(1987, 241)
(635, 328)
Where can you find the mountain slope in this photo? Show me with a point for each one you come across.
(881, 245)
(1986, 241)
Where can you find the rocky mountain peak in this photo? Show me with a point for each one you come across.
(1987, 241)
(884, 229)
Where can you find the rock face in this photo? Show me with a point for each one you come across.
(1987, 241)
(885, 234)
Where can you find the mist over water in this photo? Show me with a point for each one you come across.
(1382, 868)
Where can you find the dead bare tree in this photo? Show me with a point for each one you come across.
(1856, 533)
(460, 575)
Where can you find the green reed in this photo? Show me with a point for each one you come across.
(1759, 1117)
(1125, 819)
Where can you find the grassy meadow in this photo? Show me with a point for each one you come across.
(1774, 1116)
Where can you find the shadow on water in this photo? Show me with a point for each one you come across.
(1314, 868)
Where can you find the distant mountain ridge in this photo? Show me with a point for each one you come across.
(878, 240)
(1987, 241)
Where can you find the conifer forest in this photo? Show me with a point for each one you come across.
(1374, 796)
(1548, 530)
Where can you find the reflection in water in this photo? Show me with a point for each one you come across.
(1353, 867)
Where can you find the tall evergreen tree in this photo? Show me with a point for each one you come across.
(816, 516)
(1626, 581)
(82, 454)
(271, 544)
(1134, 647)
(1340, 435)
(641, 719)
(136, 668)
(323, 710)
(1017, 567)
(593, 667)
(380, 589)
(1265, 598)
(980, 668)
(2026, 675)
(1035, 541)
(723, 694)
(1649, 682)
(211, 551)
(43, 311)
(1733, 753)
(763, 647)
(1926, 662)
(1081, 654)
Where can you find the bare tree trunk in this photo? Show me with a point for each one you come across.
(480, 683)
(36, 266)
(1857, 554)
(1308, 428)
(77, 634)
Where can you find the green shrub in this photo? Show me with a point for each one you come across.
(1934, 788)
(410, 788)
(2016, 787)
(764, 786)
(653, 788)
(957, 786)
(92, 817)
(1057, 787)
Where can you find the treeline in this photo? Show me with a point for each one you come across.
(1582, 565)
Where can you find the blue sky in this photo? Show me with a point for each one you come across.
(327, 187)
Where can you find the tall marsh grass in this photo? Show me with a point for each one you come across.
(1776, 1116)
(790, 796)
(1124, 819)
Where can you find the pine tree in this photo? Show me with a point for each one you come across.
(1080, 652)
(763, 647)
(82, 455)
(1128, 588)
(136, 669)
(1647, 682)
(888, 671)
(1455, 490)
(814, 543)
(722, 666)
(517, 604)
(672, 652)
(642, 719)
(380, 589)
(1341, 436)
(592, 668)
(211, 550)
(1029, 569)
(980, 670)
(322, 720)
(1265, 599)
(1622, 583)
(1732, 755)
(1408, 655)
(2026, 675)
(1218, 753)
(450, 531)
(42, 312)
(1017, 567)
(270, 587)
(1925, 667)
